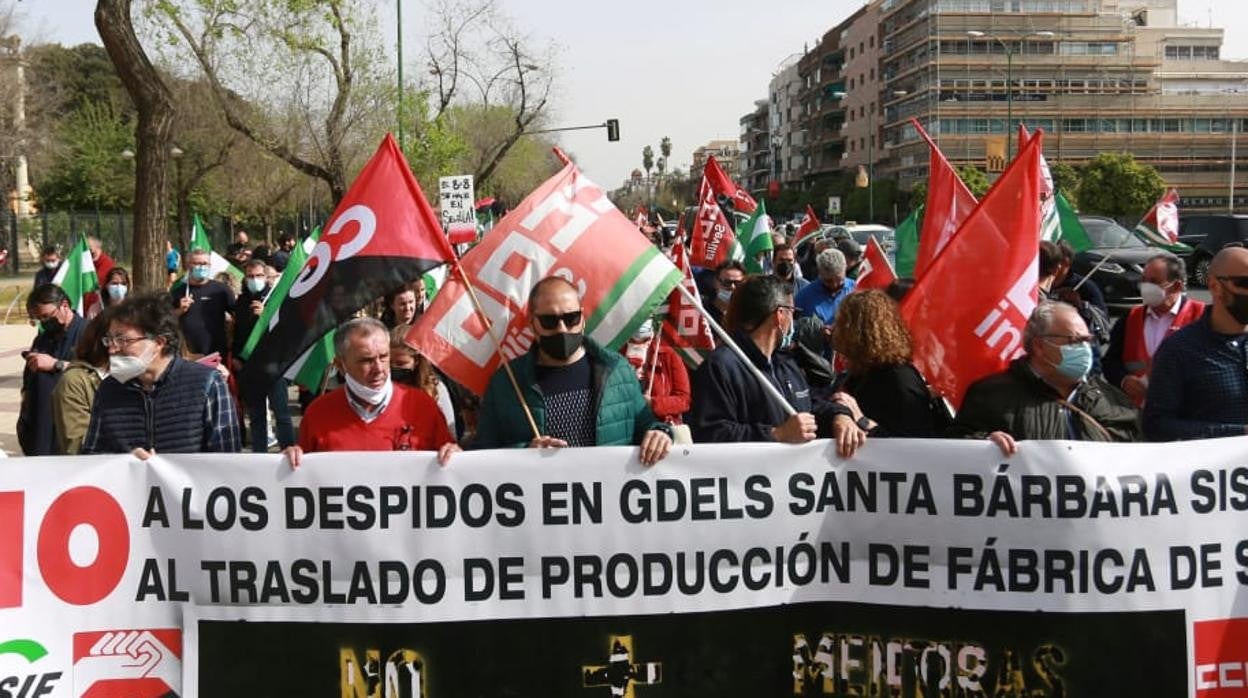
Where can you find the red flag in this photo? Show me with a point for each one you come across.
(712, 237)
(569, 227)
(382, 235)
(809, 226)
(684, 326)
(875, 271)
(640, 216)
(949, 202)
(723, 185)
(967, 313)
(1160, 226)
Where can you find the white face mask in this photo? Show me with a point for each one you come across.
(116, 291)
(126, 368)
(373, 396)
(256, 284)
(51, 265)
(1152, 294)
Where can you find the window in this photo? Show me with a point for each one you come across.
(872, 73)
(851, 53)
(871, 43)
(860, 47)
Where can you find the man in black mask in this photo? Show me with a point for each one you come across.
(784, 266)
(1198, 383)
(579, 393)
(59, 330)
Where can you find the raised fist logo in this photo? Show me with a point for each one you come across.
(130, 663)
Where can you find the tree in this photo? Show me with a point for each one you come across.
(88, 171)
(665, 147)
(1065, 180)
(476, 44)
(322, 50)
(975, 179)
(647, 160)
(154, 136)
(1115, 185)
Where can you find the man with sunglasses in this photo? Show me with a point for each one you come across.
(50, 353)
(1049, 392)
(728, 276)
(579, 393)
(153, 400)
(1198, 388)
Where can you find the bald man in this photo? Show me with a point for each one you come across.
(579, 393)
(1198, 386)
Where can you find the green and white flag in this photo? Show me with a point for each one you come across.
(1069, 228)
(753, 238)
(907, 236)
(77, 275)
(308, 371)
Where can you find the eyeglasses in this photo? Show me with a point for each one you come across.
(550, 321)
(731, 283)
(1240, 282)
(120, 342)
(790, 308)
(1066, 339)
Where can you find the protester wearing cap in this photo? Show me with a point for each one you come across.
(1048, 393)
(1165, 310)
(50, 352)
(153, 400)
(578, 393)
(370, 412)
(1198, 386)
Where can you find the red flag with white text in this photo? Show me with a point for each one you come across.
(966, 314)
(723, 185)
(713, 238)
(875, 270)
(566, 227)
(809, 226)
(949, 202)
(684, 326)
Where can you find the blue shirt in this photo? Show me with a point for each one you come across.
(1198, 385)
(171, 261)
(815, 300)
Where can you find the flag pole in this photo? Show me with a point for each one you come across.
(768, 387)
(498, 347)
(654, 363)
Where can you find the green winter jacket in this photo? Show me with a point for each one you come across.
(623, 416)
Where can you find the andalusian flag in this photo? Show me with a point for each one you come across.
(753, 239)
(216, 263)
(1070, 229)
(308, 371)
(294, 266)
(77, 275)
(907, 237)
(1160, 226)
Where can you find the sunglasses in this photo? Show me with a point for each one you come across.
(1240, 282)
(550, 321)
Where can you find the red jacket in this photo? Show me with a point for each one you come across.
(411, 422)
(670, 395)
(1135, 356)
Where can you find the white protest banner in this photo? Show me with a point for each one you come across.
(459, 217)
(918, 567)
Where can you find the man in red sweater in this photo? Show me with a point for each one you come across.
(371, 413)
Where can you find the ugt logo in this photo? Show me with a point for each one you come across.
(401, 676)
(621, 673)
(26, 685)
(128, 663)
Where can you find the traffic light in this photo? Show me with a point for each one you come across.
(613, 130)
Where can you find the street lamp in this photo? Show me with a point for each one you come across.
(1009, 77)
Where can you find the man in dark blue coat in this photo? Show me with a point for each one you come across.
(52, 350)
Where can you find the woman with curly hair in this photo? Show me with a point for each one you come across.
(887, 395)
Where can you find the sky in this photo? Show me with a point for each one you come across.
(686, 69)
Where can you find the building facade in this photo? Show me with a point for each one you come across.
(726, 152)
(756, 150)
(787, 156)
(1096, 75)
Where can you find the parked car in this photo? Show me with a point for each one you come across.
(1119, 276)
(1206, 234)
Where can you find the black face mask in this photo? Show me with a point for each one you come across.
(560, 346)
(406, 376)
(1238, 307)
(784, 269)
(51, 325)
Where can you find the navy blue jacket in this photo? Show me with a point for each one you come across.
(34, 422)
(729, 403)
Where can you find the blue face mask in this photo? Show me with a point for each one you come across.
(1076, 360)
(787, 339)
(200, 272)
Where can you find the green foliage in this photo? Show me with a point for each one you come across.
(975, 180)
(432, 148)
(90, 173)
(1066, 180)
(66, 80)
(1115, 185)
(647, 159)
(918, 194)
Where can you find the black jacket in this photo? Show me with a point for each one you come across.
(896, 397)
(730, 405)
(35, 433)
(1020, 403)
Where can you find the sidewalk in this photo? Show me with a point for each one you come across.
(14, 339)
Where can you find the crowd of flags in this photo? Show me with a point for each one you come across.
(974, 264)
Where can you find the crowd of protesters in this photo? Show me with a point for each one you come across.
(811, 357)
